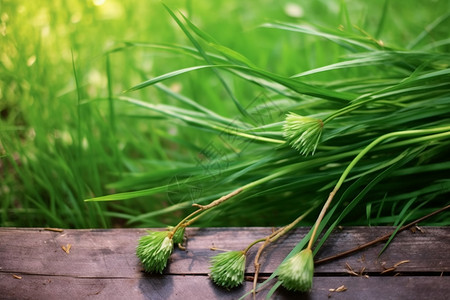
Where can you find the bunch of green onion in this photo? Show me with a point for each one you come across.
(375, 144)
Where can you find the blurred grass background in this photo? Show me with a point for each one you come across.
(58, 148)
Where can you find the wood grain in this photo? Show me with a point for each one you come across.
(102, 263)
(200, 287)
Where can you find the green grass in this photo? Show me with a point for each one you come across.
(204, 110)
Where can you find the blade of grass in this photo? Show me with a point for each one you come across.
(208, 61)
(382, 19)
(427, 30)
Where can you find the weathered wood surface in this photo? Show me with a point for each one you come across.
(102, 264)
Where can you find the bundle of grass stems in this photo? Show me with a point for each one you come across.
(370, 146)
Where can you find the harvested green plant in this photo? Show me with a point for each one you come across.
(228, 268)
(393, 123)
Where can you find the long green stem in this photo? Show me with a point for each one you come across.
(249, 136)
(183, 222)
(280, 232)
(203, 208)
(253, 243)
(355, 161)
(228, 130)
(346, 109)
(355, 105)
(288, 227)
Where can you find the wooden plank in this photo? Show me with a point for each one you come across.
(107, 252)
(103, 263)
(200, 287)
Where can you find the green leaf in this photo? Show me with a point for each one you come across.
(128, 195)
